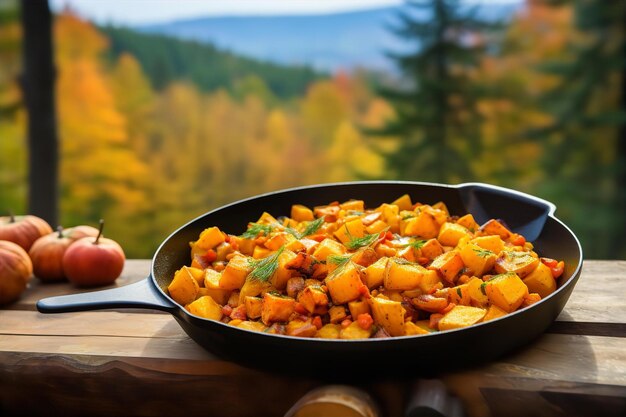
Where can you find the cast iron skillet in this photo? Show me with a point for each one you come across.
(525, 214)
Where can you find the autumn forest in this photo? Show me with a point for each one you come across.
(155, 131)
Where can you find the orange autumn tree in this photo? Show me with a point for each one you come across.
(100, 174)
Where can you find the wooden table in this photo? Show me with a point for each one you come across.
(138, 362)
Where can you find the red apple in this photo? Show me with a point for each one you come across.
(47, 252)
(90, 262)
(23, 230)
(15, 271)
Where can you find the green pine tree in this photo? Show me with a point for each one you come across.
(435, 104)
(586, 144)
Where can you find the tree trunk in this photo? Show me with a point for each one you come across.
(38, 86)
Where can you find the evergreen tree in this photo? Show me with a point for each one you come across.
(436, 118)
(588, 155)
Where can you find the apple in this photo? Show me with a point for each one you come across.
(23, 230)
(15, 271)
(90, 262)
(47, 251)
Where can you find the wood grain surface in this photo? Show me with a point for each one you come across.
(138, 362)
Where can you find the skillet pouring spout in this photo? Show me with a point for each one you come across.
(415, 355)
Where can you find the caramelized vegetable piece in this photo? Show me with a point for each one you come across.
(345, 285)
(184, 288)
(388, 314)
(494, 227)
(520, 263)
(448, 265)
(461, 316)
(276, 308)
(354, 331)
(375, 273)
(424, 226)
(506, 291)
(209, 238)
(403, 275)
(234, 275)
(451, 233)
(429, 303)
(541, 280)
(477, 260)
(206, 307)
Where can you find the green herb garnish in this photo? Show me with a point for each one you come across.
(416, 244)
(359, 242)
(483, 253)
(459, 292)
(254, 229)
(312, 227)
(339, 260)
(263, 269)
(482, 288)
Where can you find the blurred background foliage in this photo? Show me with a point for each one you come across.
(157, 130)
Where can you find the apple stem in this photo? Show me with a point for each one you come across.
(99, 231)
(60, 231)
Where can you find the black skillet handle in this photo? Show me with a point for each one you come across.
(142, 294)
(523, 213)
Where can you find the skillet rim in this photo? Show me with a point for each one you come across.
(180, 312)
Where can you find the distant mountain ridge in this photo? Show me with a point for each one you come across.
(325, 41)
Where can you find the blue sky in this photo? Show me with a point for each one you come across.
(132, 12)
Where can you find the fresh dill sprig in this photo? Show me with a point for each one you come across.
(312, 227)
(254, 229)
(483, 253)
(417, 244)
(339, 260)
(359, 242)
(263, 269)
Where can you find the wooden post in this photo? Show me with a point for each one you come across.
(38, 86)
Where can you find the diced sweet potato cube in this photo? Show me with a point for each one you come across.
(256, 326)
(412, 329)
(390, 215)
(267, 218)
(461, 316)
(252, 288)
(448, 265)
(353, 205)
(494, 227)
(351, 229)
(276, 308)
(254, 306)
(206, 307)
(365, 257)
(313, 298)
(388, 314)
(300, 328)
(468, 222)
(375, 273)
(197, 273)
(210, 238)
(337, 314)
(477, 260)
(345, 285)
(431, 249)
(493, 312)
(376, 227)
(358, 307)
(328, 247)
(407, 253)
(212, 287)
(184, 288)
(301, 213)
(451, 233)
(441, 206)
(283, 274)
(354, 331)
(279, 239)
(261, 252)
(518, 262)
(459, 295)
(424, 225)
(403, 275)
(234, 275)
(492, 243)
(430, 281)
(507, 291)
(477, 296)
(541, 281)
(329, 331)
(403, 202)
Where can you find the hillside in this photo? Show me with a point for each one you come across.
(165, 58)
(324, 41)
